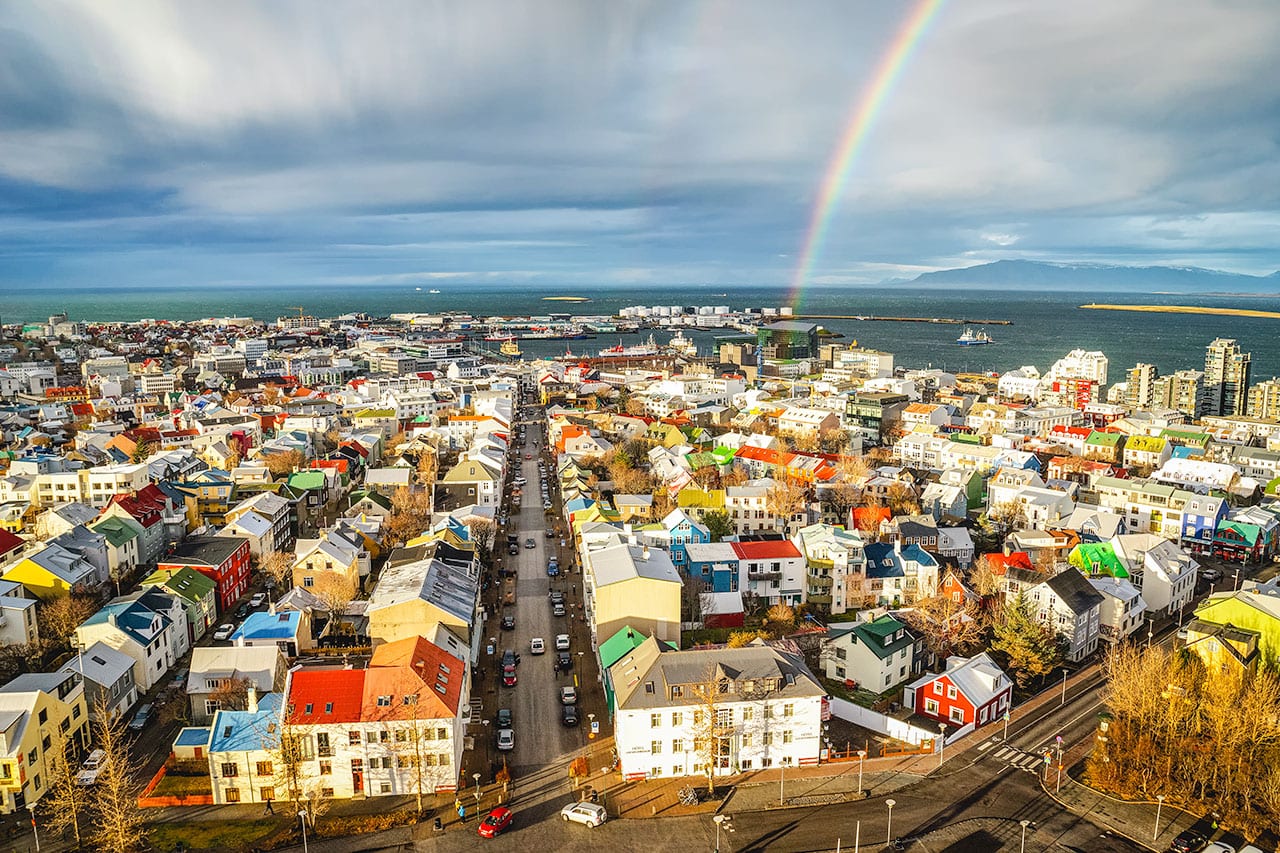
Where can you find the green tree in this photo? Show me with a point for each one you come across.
(718, 524)
(1031, 650)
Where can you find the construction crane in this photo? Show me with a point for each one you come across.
(302, 312)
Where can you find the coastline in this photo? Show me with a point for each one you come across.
(1185, 309)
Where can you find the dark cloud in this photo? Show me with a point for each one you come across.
(645, 141)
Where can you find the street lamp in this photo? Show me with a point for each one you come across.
(302, 819)
(722, 820)
(476, 776)
(1025, 823)
(1064, 685)
(942, 741)
(888, 832)
(862, 754)
(1159, 802)
(32, 808)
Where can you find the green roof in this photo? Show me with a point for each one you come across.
(308, 480)
(723, 455)
(1185, 436)
(117, 531)
(700, 459)
(873, 635)
(1106, 439)
(1248, 532)
(1088, 555)
(616, 647)
(185, 583)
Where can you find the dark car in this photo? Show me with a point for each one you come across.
(242, 611)
(495, 821)
(1189, 841)
(513, 549)
(529, 543)
(564, 662)
(504, 718)
(508, 623)
(1211, 575)
(551, 534)
(509, 658)
(569, 715)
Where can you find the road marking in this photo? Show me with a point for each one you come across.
(984, 747)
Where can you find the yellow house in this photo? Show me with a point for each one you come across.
(53, 572)
(422, 588)
(632, 585)
(333, 562)
(37, 712)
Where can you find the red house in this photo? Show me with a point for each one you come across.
(223, 559)
(971, 691)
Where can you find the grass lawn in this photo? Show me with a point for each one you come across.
(182, 786)
(211, 835)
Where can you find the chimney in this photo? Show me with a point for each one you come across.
(251, 698)
(111, 618)
(897, 544)
(644, 552)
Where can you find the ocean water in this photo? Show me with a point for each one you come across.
(1045, 325)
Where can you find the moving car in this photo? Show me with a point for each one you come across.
(587, 814)
(242, 611)
(1219, 847)
(224, 632)
(537, 646)
(506, 739)
(258, 599)
(1211, 575)
(568, 695)
(529, 543)
(562, 642)
(495, 821)
(140, 719)
(569, 715)
(92, 767)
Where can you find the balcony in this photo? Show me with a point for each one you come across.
(764, 574)
(819, 582)
(821, 600)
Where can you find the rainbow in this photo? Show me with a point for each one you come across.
(855, 134)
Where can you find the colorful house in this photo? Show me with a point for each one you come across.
(223, 559)
(971, 692)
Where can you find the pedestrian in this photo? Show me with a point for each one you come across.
(270, 808)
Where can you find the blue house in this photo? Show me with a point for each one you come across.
(1201, 516)
(284, 629)
(715, 564)
(682, 530)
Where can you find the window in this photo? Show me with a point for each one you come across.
(384, 736)
(326, 768)
(957, 715)
(952, 692)
(353, 738)
(747, 740)
(931, 706)
(677, 745)
(322, 745)
(401, 736)
(786, 736)
(677, 718)
(655, 720)
(655, 747)
(229, 770)
(263, 768)
(44, 716)
(655, 772)
(37, 781)
(841, 654)
(384, 701)
(233, 795)
(328, 707)
(748, 714)
(937, 687)
(308, 581)
(308, 708)
(444, 759)
(677, 692)
(788, 709)
(384, 787)
(326, 792)
(767, 739)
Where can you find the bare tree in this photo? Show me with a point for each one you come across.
(232, 694)
(277, 566)
(283, 463)
(65, 801)
(984, 580)
(59, 617)
(787, 498)
(118, 825)
(710, 729)
(410, 516)
(946, 625)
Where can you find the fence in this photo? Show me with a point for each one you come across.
(147, 800)
(883, 723)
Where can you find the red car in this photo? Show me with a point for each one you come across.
(509, 676)
(496, 821)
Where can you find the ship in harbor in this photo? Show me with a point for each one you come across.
(641, 350)
(970, 338)
(510, 348)
(680, 345)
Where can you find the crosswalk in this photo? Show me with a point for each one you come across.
(1015, 757)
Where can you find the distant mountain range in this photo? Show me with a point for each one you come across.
(1102, 277)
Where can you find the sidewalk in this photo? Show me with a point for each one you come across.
(1134, 820)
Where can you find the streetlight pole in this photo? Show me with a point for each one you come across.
(1237, 578)
(34, 828)
(1058, 787)
(1025, 823)
(862, 754)
(888, 832)
(727, 821)
(476, 776)
(302, 819)
(942, 741)
(1006, 726)
(1064, 685)
(782, 781)
(1159, 802)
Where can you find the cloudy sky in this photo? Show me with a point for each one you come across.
(626, 142)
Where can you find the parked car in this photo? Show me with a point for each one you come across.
(509, 676)
(551, 534)
(179, 678)
(508, 622)
(562, 642)
(224, 632)
(242, 611)
(568, 695)
(537, 646)
(557, 610)
(1188, 842)
(258, 599)
(557, 597)
(1211, 575)
(513, 550)
(506, 740)
(1219, 847)
(569, 715)
(553, 569)
(495, 822)
(564, 662)
(141, 718)
(503, 720)
(587, 814)
(91, 768)
(509, 658)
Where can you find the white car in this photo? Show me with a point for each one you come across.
(258, 599)
(537, 646)
(92, 767)
(588, 814)
(562, 642)
(224, 632)
(506, 740)
(1219, 847)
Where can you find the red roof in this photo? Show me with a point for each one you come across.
(770, 549)
(869, 517)
(1001, 563)
(9, 542)
(321, 689)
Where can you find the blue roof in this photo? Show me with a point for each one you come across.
(133, 618)
(578, 503)
(269, 626)
(193, 736)
(243, 731)
(1186, 451)
(918, 555)
(882, 562)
